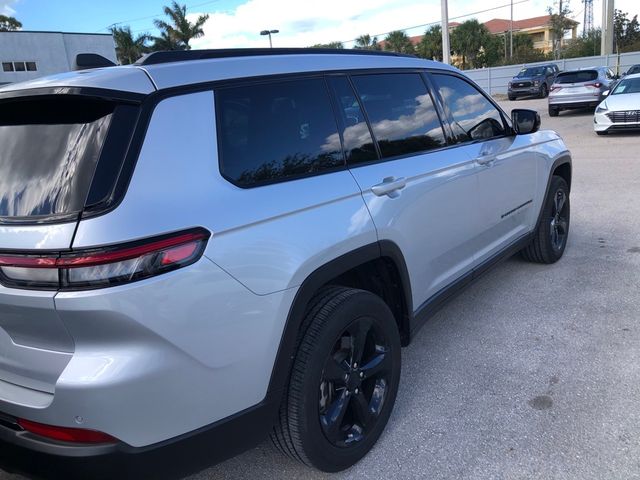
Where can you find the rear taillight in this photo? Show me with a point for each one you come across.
(594, 85)
(65, 434)
(103, 267)
(555, 88)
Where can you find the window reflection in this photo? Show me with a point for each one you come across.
(402, 115)
(46, 169)
(273, 131)
(473, 116)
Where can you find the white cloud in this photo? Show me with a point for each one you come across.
(6, 9)
(304, 23)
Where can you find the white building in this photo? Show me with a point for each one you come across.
(26, 55)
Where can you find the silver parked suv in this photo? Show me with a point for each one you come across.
(233, 243)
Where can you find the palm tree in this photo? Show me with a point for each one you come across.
(128, 48)
(365, 42)
(334, 45)
(398, 41)
(165, 41)
(179, 31)
(430, 46)
(467, 41)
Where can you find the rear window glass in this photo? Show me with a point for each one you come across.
(274, 131)
(49, 149)
(577, 77)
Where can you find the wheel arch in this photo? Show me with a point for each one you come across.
(342, 270)
(562, 167)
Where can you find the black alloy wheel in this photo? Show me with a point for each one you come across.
(354, 383)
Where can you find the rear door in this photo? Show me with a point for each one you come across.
(422, 196)
(49, 151)
(507, 164)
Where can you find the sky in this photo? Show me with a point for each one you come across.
(237, 23)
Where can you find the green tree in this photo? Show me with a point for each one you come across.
(129, 48)
(585, 46)
(366, 42)
(523, 49)
(398, 41)
(468, 40)
(626, 31)
(337, 45)
(560, 23)
(430, 46)
(9, 24)
(178, 31)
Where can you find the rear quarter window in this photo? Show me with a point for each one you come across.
(49, 149)
(275, 131)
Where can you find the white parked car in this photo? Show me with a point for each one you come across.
(621, 109)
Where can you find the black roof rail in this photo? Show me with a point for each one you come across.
(184, 55)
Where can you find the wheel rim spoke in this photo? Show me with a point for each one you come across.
(562, 226)
(377, 364)
(361, 409)
(332, 420)
(358, 340)
(559, 202)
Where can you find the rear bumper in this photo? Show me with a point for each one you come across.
(581, 101)
(154, 360)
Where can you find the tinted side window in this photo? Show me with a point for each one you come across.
(473, 116)
(274, 131)
(356, 137)
(401, 113)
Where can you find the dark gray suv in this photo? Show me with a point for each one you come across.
(533, 81)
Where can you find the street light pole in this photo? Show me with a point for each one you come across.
(269, 32)
(446, 51)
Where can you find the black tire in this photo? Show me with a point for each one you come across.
(512, 97)
(603, 132)
(550, 237)
(304, 430)
(544, 90)
(553, 111)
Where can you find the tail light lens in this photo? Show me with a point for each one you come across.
(65, 434)
(103, 267)
(594, 85)
(555, 88)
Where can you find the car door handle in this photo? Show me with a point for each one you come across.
(389, 186)
(486, 159)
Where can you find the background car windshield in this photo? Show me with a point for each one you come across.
(577, 77)
(630, 85)
(530, 72)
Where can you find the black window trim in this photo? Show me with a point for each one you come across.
(508, 128)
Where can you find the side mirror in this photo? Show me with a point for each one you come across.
(606, 92)
(525, 121)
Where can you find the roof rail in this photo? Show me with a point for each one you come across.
(91, 60)
(185, 55)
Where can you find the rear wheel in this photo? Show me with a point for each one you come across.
(344, 380)
(553, 111)
(544, 91)
(550, 237)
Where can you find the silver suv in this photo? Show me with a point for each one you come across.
(237, 243)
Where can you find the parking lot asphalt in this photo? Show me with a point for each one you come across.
(532, 372)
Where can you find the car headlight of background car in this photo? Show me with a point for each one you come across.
(602, 107)
(536, 83)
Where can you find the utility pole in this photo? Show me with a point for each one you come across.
(446, 50)
(511, 33)
(606, 43)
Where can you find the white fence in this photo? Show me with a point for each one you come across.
(494, 80)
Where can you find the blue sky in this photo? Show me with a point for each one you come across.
(236, 23)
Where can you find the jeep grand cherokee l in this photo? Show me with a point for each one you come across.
(238, 242)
